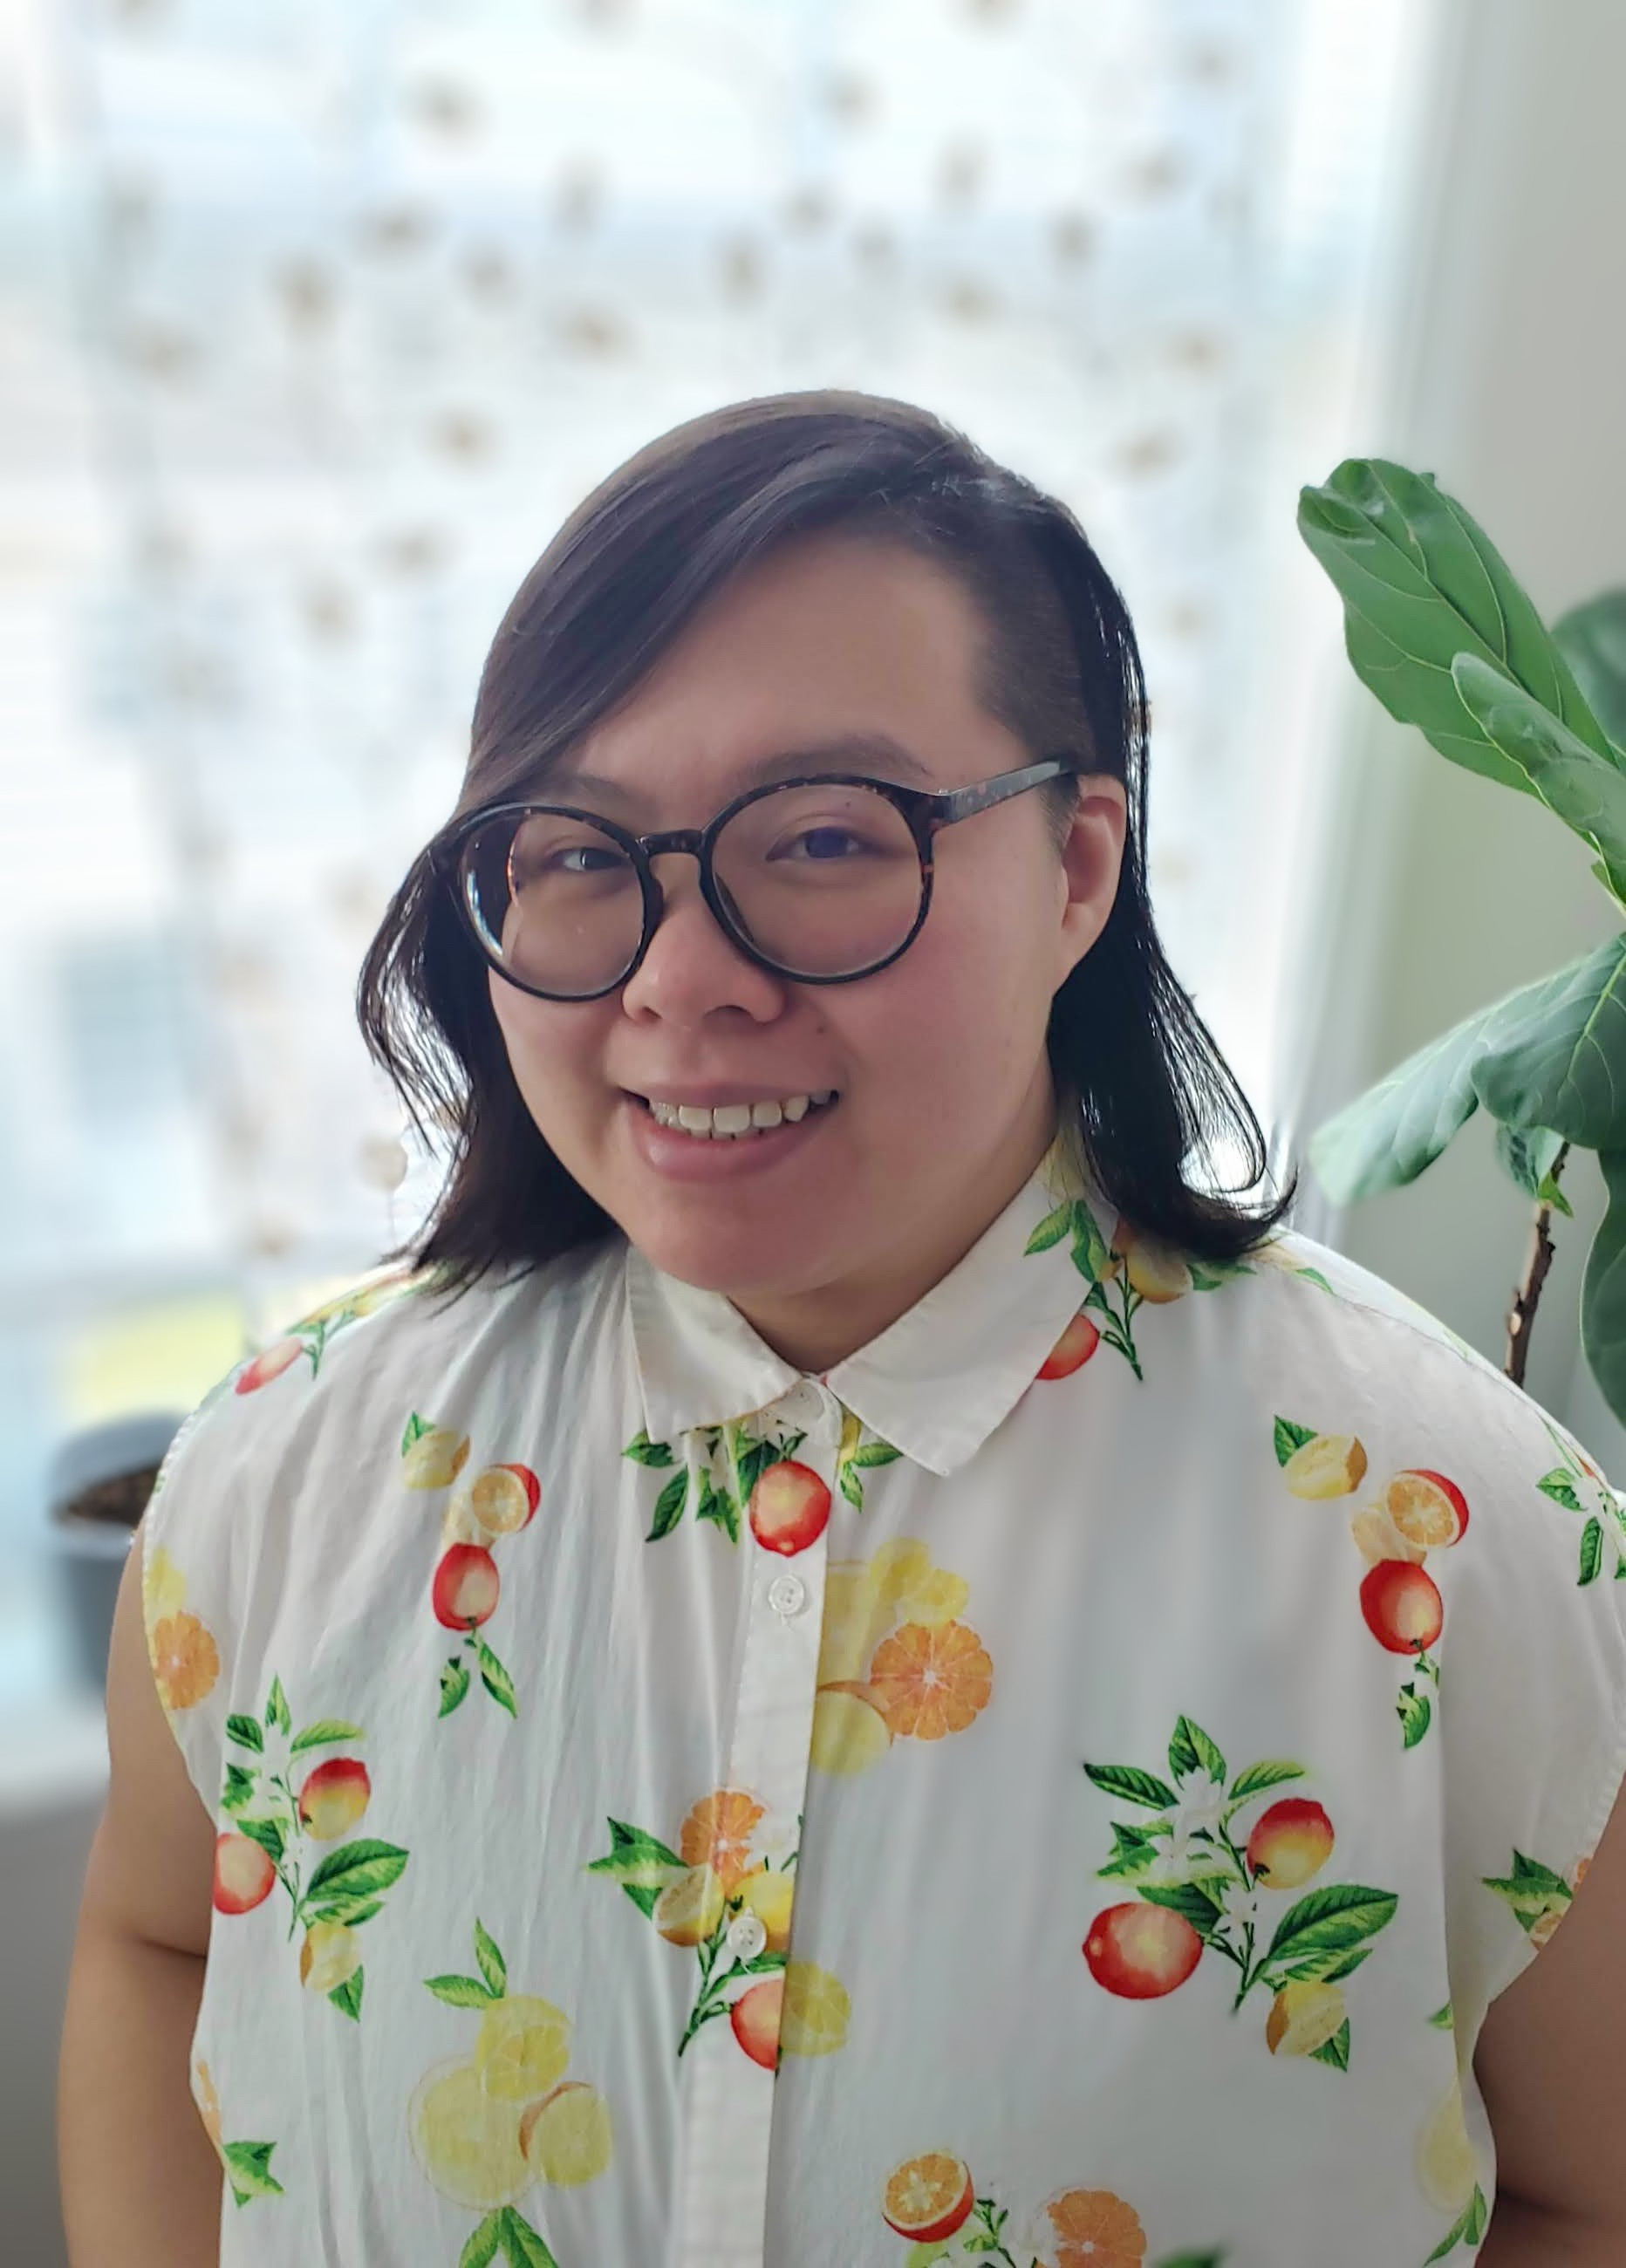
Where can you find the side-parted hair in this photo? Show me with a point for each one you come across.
(1142, 1085)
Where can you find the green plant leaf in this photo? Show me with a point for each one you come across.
(1585, 789)
(1269, 1773)
(495, 1679)
(246, 1732)
(266, 1833)
(1560, 1486)
(1287, 1437)
(1442, 2018)
(850, 1486)
(493, 1968)
(1051, 1230)
(1468, 2229)
(1591, 1552)
(1421, 584)
(874, 1453)
(453, 1685)
(639, 1860)
(1415, 1713)
(462, 1992)
(1328, 1967)
(523, 2247)
(319, 1735)
(354, 1911)
(1532, 1890)
(1525, 1155)
(1336, 2049)
(1333, 1919)
(1592, 638)
(1603, 1288)
(1189, 1899)
(1090, 1252)
(1543, 1057)
(347, 1997)
(1133, 1786)
(277, 1714)
(1191, 1751)
(239, 1789)
(360, 1869)
(416, 1427)
(643, 1451)
(483, 2246)
(248, 2169)
(668, 1507)
(1133, 1849)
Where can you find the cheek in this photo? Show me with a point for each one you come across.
(964, 1011)
(552, 1052)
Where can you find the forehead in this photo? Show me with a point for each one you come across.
(855, 653)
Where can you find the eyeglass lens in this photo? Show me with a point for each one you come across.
(823, 881)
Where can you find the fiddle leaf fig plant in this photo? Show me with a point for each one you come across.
(1437, 627)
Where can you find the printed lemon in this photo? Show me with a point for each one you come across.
(897, 1564)
(849, 1731)
(1426, 1507)
(466, 2140)
(434, 1459)
(1328, 1464)
(1377, 1537)
(566, 2136)
(770, 1895)
(503, 1499)
(1303, 2017)
(857, 1617)
(1446, 2171)
(688, 1910)
(522, 2049)
(329, 1956)
(936, 1596)
(814, 2013)
(929, 2197)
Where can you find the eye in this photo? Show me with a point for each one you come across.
(822, 845)
(579, 857)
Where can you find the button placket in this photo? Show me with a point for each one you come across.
(730, 2117)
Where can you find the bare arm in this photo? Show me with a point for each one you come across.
(1550, 2063)
(140, 2184)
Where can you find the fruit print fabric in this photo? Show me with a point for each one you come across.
(853, 1714)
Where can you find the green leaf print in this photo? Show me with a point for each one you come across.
(1558, 1485)
(247, 1733)
(1533, 1891)
(1336, 2049)
(1289, 1437)
(1442, 2018)
(453, 1685)
(266, 1833)
(495, 1678)
(641, 1863)
(248, 2169)
(360, 1869)
(1415, 1713)
(668, 1507)
(523, 2247)
(462, 1992)
(1315, 1276)
(347, 1997)
(1331, 1920)
(416, 1427)
(277, 1716)
(1191, 1751)
(1269, 1773)
(1133, 1786)
(493, 1968)
(319, 1735)
(1468, 2230)
(1187, 1898)
(1089, 1253)
(483, 2246)
(1592, 1551)
(643, 1451)
(1051, 1230)
(239, 1789)
(874, 1453)
(1134, 1849)
(719, 1507)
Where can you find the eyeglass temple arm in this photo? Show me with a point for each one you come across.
(962, 802)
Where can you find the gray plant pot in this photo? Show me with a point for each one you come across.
(96, 1491)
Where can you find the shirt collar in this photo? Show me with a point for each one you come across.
(936, 1383)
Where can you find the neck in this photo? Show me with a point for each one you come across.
(816, 1328)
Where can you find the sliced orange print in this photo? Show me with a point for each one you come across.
(717, 1834)
(930, 1681)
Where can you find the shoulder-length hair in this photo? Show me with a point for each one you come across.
(1141, 1083)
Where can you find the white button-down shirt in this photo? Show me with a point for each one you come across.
(1065, 1786)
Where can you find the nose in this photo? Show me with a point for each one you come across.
(693, 967)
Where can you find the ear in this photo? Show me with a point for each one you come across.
(1092, 860)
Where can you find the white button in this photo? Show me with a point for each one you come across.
(746, 1936)
(787, 1596)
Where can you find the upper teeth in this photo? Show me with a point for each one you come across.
(730, 1119)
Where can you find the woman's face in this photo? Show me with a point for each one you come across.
(942, 1099)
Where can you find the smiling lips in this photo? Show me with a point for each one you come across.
(734, 1122)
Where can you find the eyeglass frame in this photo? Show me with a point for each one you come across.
(925, 811)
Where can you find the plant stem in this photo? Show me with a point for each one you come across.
(1521, 1315)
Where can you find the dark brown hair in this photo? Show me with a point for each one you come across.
(1135, 1066)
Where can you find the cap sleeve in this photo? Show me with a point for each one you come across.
(191, 1598)
(1532, 1697)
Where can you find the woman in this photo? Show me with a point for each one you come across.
(855, 1668)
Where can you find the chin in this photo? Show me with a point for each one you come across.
(731, 1258)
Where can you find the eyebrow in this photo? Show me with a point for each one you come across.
(875, 752)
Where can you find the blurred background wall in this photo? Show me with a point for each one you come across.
(314, 321)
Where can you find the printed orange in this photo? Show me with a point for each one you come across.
(1095, 2230)
(929, 1681)
(185, 1662)
(717, 1833)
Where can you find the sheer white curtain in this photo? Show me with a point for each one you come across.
(316, 319)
